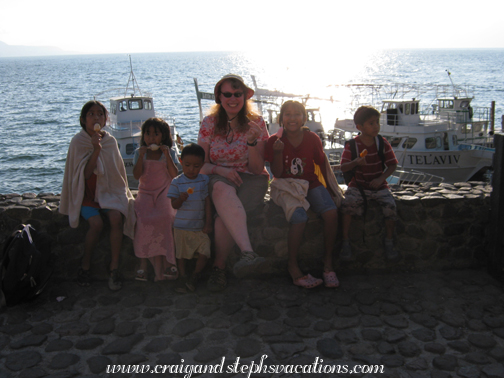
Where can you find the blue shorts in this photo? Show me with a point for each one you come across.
(88, 211)
(320, 201)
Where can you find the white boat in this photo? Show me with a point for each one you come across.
(437, 144)
(127, 112)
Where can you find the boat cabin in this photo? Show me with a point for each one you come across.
(124, 110)
(401, 112)
(457, 109)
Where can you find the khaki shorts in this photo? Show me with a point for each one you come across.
(190, 243)
(354, 203)
(251, 192)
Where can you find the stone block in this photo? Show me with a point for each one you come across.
(71, 236)
(454, 229)
(273, 233)
(42, 213)
(19, 213)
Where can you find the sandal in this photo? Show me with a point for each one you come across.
(83, 277)
(141, 275)
(330, 279)
(308, 281)
(181, 286)
(171, 273)
(217, 280)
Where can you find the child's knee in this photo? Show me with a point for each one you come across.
(95, 224)
(115, 219)
(330, 215)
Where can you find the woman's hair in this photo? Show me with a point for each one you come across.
(297, 105)
(217, 111)
(85, 109)
(160, 125)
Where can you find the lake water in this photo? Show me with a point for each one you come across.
(41, 97)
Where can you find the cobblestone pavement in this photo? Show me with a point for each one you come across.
(436, 324)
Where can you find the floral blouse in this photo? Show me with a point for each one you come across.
(230, 155)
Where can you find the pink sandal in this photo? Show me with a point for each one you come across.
(330, 279)
(308, 281)
(171, 273)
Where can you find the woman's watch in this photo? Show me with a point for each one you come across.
(254, 143)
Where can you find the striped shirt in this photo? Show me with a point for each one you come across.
(373, 169)
(191, 215)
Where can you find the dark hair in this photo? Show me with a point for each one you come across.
(194, 150)
(160, 125)
(217, 110)
(364, 113)
(297, 105)
(85, 109)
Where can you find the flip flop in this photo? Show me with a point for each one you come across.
(171, 273)
(141, 275)
(330, 279)
(308, 281)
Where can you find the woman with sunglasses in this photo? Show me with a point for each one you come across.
(233, 136)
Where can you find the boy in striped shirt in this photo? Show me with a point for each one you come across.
(370, 178)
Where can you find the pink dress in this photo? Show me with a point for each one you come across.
(154, 212)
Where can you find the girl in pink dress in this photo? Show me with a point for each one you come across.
(155, 168)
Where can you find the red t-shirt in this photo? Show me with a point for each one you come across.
(373, 169)
(298, 162)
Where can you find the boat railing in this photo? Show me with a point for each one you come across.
(411, 176)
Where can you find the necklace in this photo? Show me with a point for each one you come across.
(230, 131)
(231, 120)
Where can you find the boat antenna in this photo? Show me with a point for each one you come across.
(133, 80)
(453, 85)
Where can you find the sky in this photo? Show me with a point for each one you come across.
(307, 26)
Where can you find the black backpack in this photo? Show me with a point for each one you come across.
(26, 264)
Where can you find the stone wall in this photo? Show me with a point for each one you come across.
(440, 226)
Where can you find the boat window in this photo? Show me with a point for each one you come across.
(394, 142)
(147, 105)
(400, 108)
(409, 143)
(454, 140)
(113, 107)
(432, 142)
(464, 104)
(130, 148)
(407, 109)
(466, 129)
(447, 104)
(135, 104)
(414, 108)
(123, 106)
(477, 127)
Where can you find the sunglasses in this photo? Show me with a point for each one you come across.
(229, 94)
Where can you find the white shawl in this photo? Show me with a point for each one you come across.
(112, 190)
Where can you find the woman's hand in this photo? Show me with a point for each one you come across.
(232, 176)
(254, 132)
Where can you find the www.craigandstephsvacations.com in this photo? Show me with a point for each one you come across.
(247, 368)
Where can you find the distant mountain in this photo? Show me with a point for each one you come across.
(13, 51)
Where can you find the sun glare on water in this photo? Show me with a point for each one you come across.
(316, 74)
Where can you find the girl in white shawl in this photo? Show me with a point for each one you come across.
(95, 182)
